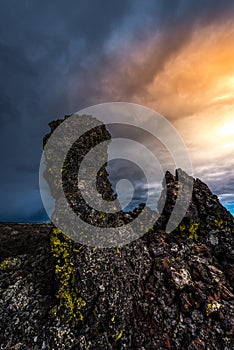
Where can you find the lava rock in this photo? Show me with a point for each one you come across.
(163, 291)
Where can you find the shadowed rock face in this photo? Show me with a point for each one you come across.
(162, 291)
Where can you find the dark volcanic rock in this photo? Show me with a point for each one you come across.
(162, 291)
(26, 285)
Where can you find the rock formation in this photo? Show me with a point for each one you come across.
(162, 291)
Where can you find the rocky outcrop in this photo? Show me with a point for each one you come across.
(163, 291)
(204, 209)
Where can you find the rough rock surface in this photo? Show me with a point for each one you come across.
(162, 291)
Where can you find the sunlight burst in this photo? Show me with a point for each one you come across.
(227, 129)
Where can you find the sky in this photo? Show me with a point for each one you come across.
(57, 58)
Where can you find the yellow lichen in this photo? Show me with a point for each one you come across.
(223, 224)
(4, 264)
(219, 223)
(182, 227)
(70, 300)
(8, 263)
(191, 230)
(102, 215)
(118, 336)
(212, 307)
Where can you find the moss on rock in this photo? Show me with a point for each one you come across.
(70, 301)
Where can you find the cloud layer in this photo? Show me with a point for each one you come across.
(56, 58)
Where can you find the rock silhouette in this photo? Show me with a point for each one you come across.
(162, 291)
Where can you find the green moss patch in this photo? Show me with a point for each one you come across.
(70, 300)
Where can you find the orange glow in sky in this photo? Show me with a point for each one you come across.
(191, 84)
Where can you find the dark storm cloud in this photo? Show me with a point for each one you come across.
(54, 56)
(175, 22)
(44, 43)
(43, 47)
